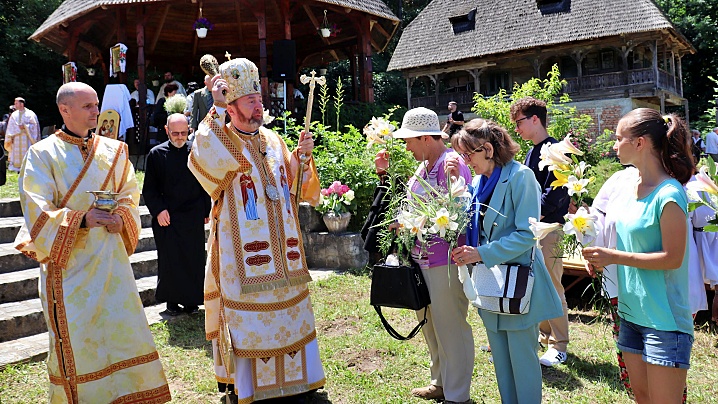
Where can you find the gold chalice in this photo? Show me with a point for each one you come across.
(105, 200)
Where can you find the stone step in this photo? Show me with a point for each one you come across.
(9, 226)
(34, 347)
(25, 318)
(10, 207)
(23, 285)
(12, 260)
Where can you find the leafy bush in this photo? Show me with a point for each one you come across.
(562, 118)
(601, 171)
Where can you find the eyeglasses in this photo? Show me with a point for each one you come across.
(521, 119)
(185, 133)
(467, 156)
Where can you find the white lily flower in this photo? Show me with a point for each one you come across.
(383, 128)
(373, 138)
(582, 225)
(566, 146)
(459, 188)
(576, 186)
(703, 182)
(266, 117)
(552, 157)
(443, 221)
(541, 229)
(580, 169)
(418, 227)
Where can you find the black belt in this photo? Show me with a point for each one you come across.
(700, 229)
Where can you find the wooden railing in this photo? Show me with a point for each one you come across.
(616, 80)
(620, 79)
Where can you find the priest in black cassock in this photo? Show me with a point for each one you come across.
(180, 209)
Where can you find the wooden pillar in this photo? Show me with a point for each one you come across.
(673, 70)
(409, 80)
(435, 79)
(142, 91)
(654, 51)
(353, 72)
(624, 58)
(663, 102)
(261, 15)
(287, 19)
(365, 62)
(679, 89)
(685, 108)
(122, 36)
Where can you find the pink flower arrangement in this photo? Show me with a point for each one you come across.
(337, 198)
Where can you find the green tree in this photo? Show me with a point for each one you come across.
(562, 118)
(698, 21)
(28, 69)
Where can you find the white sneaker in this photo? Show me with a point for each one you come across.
(553, 357)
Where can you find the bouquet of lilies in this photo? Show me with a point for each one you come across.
(378, 131)
(436, 214)
(571, 173)
(704, 191)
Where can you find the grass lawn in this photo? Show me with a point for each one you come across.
(364, 365)
(10, 190)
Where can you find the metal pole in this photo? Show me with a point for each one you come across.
(285, 107)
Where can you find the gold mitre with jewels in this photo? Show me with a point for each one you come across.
(242, 77)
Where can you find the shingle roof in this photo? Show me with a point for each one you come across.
(71, 9)
(509, 25)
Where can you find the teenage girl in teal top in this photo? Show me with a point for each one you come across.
(656, 332)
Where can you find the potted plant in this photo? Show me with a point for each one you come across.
(336, 205)
(201, 26)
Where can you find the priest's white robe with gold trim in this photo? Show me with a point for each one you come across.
(258, 310)
(101, 348)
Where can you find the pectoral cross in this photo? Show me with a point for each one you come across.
(227, 55)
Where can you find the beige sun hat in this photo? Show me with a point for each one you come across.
(419, 122)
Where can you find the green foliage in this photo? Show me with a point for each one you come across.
(338, 101)
(697, 20)
(323, 102)
(562, 118)
(176, 104)
(601, 171)
(28, 69)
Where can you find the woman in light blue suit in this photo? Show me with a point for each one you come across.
(498, 234)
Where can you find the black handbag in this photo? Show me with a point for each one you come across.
(401, 287)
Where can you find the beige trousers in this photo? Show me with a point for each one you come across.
(448, 334)
(554, 333)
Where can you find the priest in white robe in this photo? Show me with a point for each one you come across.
(101, 348)
(258, 310)
(23, 130)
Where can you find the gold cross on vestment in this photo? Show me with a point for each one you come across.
(227, 55)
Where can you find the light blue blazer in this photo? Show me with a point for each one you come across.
(507, 238)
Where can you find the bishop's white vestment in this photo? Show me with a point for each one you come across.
(258, 310)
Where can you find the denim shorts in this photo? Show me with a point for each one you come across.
(662, 348)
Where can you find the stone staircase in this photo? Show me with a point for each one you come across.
(23, 332)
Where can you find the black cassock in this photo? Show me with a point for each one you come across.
(181, 255)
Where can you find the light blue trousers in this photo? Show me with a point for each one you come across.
(516, 365)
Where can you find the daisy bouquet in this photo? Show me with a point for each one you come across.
(704, 192)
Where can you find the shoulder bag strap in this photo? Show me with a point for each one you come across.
(393, 332)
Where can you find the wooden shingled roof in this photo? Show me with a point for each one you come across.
(170, 39)
(511, 25)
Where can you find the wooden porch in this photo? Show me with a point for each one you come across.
(637, 82)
